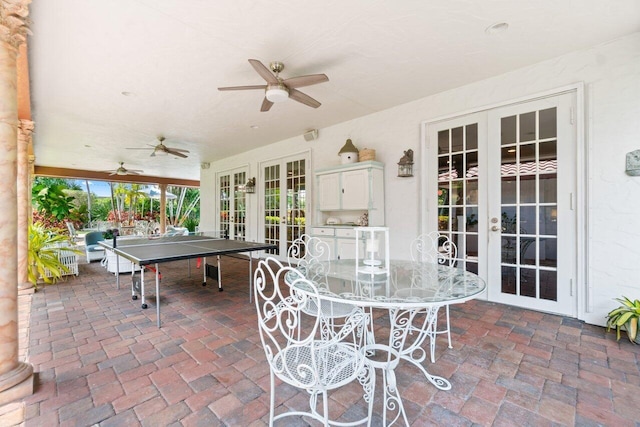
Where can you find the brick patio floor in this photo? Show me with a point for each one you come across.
(101, 360)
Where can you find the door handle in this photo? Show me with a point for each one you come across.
(495, 228)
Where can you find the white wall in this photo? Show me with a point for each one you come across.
(611, 75)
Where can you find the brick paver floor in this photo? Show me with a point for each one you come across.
(101, 360)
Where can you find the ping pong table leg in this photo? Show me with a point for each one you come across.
(158, 294)
(144, 304)
(204, 272)
(250, 276)
(117, 271)
(219, 276)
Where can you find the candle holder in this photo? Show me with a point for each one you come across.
(373, 244)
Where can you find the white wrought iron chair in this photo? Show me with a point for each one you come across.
(312, 256)
(296, 353)
(437, 248)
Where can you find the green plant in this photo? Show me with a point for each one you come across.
(625, 316)
(42, 255)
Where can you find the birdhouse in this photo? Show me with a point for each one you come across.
(348, 153)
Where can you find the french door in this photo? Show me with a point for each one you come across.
(232, 203)
(505, 193)
(284, 201)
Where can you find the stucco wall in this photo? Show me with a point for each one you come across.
(611, 75)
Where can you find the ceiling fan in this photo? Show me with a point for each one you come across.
(162, 150)
(123, 171)
(277, 89)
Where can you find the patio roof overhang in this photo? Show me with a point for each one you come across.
(101, 176)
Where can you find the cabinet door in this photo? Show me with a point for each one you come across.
(329, 192)
(346, 248)
(355, 189)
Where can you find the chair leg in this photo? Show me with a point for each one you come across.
(448, 328)
(272, 399)
(325, 409)
(433, 334)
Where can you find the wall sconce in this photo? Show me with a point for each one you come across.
(405, 165)
(250, 186)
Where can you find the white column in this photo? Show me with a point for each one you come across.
(16, 378)
(24, 200)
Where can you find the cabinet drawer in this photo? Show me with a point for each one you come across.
(345, 232)
(320, 231)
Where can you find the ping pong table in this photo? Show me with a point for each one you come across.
(148, 252)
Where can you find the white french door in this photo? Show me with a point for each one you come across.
(232, 204)
(284, 200)
(505, 192)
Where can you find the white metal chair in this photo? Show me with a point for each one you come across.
(296, 353)
(437, 248)
(312, 256)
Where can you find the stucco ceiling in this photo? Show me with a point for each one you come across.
(111, 74)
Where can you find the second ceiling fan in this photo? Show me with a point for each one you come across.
(278, 89)
(162, 150)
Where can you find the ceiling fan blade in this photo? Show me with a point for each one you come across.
(175, 152)
(243, 87)
(266, 105)
(309, 80)
(264, 72)
(303, 98)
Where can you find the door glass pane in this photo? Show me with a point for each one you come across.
(472, 191)
(549, 252)
(528, 282)
(528, 189)
(548, 220)
(548, 188)
(528, 220)
(549, 285)
(471, 137)
(457, 139)
(443, 142)
(528, 126)
(472, 219)
(509, 280)
(548, 123)
(508, 130)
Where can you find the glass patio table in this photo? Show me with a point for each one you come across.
(412, 292)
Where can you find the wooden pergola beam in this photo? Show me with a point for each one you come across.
(101, 176)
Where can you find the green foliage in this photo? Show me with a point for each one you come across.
(52, 199)
(191, 224)
(625, 316)
(43, 253)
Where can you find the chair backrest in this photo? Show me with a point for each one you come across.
(93, 238)
(72, 230)
(307, 253)
(289, 330)
(434, 247)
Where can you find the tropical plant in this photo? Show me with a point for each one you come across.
(43, 259)
(625, 316)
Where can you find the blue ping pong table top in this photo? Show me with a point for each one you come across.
(152, 250)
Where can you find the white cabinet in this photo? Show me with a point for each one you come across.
(347, 191)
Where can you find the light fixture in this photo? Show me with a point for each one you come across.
(405, 165)
(160, 152)
(250, 186)
(277, 93)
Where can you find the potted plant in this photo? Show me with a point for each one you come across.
(626, 316)
(43, 259)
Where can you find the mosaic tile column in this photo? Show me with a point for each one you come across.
(24, 200)
(16, 378)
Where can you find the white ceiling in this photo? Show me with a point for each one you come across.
(171, 55)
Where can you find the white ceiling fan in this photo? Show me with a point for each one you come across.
(121, 171)
(162, 150)
(278, 89)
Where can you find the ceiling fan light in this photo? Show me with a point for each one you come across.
(159, 152)
(277, 94)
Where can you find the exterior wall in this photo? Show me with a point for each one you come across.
(611, 77)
